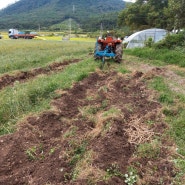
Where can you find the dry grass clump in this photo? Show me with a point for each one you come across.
(138, 132)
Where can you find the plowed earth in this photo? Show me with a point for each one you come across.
(90, 136)
(25, 75)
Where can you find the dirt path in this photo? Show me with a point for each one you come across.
(90, 136)
(22, 76)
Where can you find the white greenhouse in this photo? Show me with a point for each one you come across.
(138, 39)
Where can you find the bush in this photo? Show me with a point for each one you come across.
(172, 41)
(149, 43)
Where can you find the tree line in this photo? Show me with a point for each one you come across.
(143, 14)
(89, 15)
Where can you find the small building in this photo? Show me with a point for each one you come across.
(138, 39)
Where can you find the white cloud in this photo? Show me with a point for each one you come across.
(133, 1)
(5, 3)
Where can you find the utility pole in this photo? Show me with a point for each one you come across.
(39, 28)
(73, 9)
(70, 22)
(69, 28)
(101, 30)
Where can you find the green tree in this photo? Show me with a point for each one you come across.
(176, 14)
(134, 16)
(144, 14)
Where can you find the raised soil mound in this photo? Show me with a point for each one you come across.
(90, 136)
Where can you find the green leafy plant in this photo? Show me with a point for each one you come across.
(112, 171)
(78, 152)
(35, 152)
(130, 178)
(31, 153)
(52, 150)
(149, 42)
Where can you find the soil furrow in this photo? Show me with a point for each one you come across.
(90, 137)
(22, 76)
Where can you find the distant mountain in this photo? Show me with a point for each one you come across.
(88, 14)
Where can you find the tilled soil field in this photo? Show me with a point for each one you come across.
(22, 76)
(91, 136)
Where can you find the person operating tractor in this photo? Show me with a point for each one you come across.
(109, 46)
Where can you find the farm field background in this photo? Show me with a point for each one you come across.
(55, 36)
(68, 121)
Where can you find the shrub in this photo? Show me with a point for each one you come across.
(149, 43)
(172, 41)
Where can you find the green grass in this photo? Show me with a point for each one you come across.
(22, 99)
(84, 39)
(149, 150)
(174, 110)
(28, 54)
(123, 70)
(165, 56)
(32, 97)
(165, 95)
(176, 116)
(176, 131)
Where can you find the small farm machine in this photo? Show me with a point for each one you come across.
(110, 47)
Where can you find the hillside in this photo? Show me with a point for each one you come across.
(89, 14)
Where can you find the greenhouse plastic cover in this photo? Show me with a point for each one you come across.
(138, 39)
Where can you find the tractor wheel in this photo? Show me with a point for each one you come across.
(98, 47)
(119, 52)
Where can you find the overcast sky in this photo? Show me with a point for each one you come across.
(124, 0)
(5, 3)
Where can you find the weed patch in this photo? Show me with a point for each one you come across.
(164, 55)
(165, 96)
(112, 171)
(35, 153)
(33, 97)
(175, 116)
(149, 150)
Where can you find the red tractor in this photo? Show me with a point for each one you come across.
(108, 47)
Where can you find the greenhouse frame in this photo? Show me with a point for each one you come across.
(138, 39)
